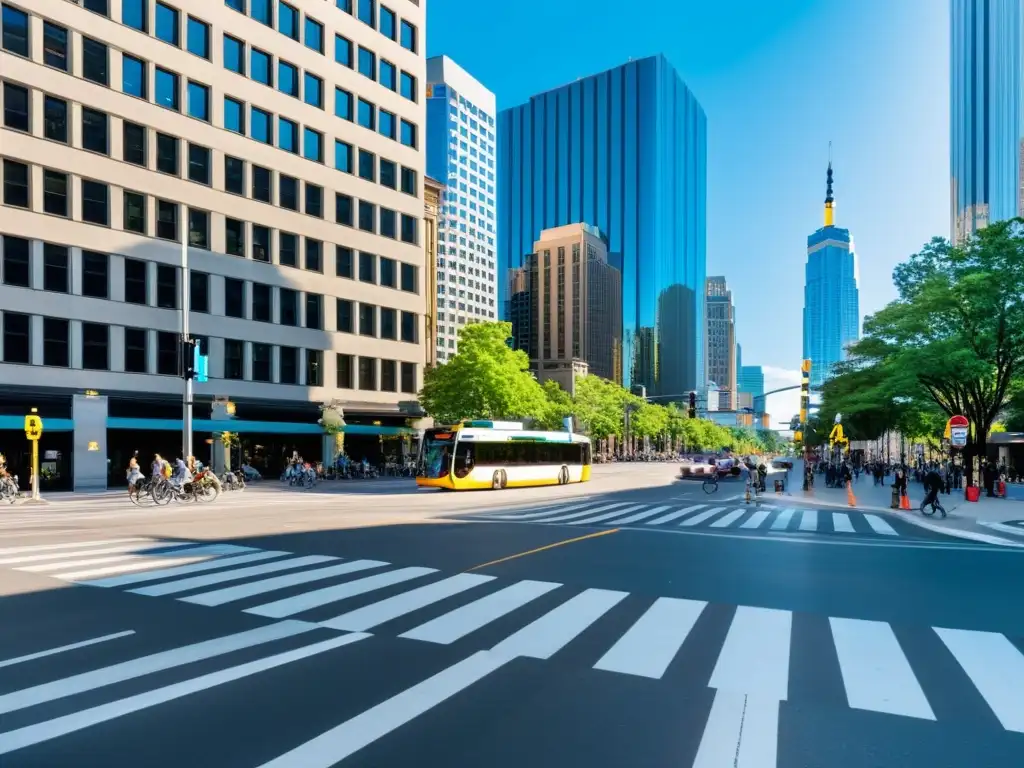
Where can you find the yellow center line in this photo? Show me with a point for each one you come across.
(541, 549)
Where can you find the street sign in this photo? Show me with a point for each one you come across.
(958, 436)
(955, 421)
(33, 427)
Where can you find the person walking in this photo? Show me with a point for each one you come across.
(932, 486)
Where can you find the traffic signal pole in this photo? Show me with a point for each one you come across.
(187, 365)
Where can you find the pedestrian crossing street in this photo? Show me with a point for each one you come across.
(721, 516)
(773, 654)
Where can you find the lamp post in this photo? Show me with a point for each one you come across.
(186, 363)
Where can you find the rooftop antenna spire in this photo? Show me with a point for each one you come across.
(829, 199)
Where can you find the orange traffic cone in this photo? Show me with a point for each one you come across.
(850, 498)
(905, 502)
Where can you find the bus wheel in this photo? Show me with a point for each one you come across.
(496, 480)
(563, 476)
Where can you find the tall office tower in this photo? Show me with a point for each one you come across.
(281, 142)
(751, 379)
(624, 150)
(986, 114)
(720, 340)
(565, 305)
(433, 200)
(461, 153)
(831, 296)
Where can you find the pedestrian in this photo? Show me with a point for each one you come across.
(932, 485)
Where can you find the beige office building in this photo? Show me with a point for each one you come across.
(285, 142)
(720, 340)
(433, 201)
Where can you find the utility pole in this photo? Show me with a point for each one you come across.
(187, 361)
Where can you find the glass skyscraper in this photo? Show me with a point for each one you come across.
(831, 296)
(986, 123)
(625, 151)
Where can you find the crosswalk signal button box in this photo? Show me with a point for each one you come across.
(33, 427)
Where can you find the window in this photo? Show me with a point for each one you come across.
(133, 76)
(314, 37)
(344, 5)
(234, 359)
(167, 89)
(95, 202)
(198, 38)
(388, 276)
(410, 229)
(367, 267)
(234, 233)
(261, 127)
(288, 365)
(344, 316)
(55, 119)
(17, 348)
(388, 376)
(313, 90)
(386, 123)
(198, 101)
(344, 372)
(288, 244)
(343, 262)
(388, 223)
(261, 180)
(368, 12)
(199, 229)
(343, 209)
(367, 216)
(314, 200)
(289, 309)
(166, 286)
(367, 165)
(95, 346)
(409, 327)
(135, 352)
(408, 134)
(17, 266)
(234, 54)
(134, 143)
(15, 184)
(314, 368)
(388, 174)
(288, 192)
(366, 116)
(56, 333)
(262, 359)
(287, 21)
(407, 39)
(410, 278)
(408, 86)
(387, 23)
(234, 297)
(409, 181)
(135, 14)
(95, 61)
(167, 154)
(55, 193)
(367, 320)
(342, 51)
(16, 107)
(55, 268)
(234, 175)
(367, 63)
(314, 255)
(135, 282)
(95, 274)
(262, 304)
(409, 377)
(312, 145)
(198, 291)
(14, 37)
(287, 78)
(199, 164)
(97, 6)
(314, 311)
(342, 156)
(167, 353)
(287, 135)
(368, 373)
(260, 64)
(342, 104)
(262, 11)
(55, 47)
(388, 323)
(260, 243)
(167, 24)
(387, 75)
(234, 115)
(166, 220)
(94, 131)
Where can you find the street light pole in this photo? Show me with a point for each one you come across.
(186, 442)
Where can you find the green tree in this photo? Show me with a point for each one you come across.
(649, 420)
(486, 380)
(558, 405)
(600, 406)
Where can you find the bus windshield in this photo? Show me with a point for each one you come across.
(436, 453)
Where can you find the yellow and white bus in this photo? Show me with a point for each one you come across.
(500, 454)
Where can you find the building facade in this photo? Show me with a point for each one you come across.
(281, 142)
(626, 151)
(720, 340)
(461, 153)
(986, 113)
(751, 379)
(565, 305)
(433, 200)
(831, 295)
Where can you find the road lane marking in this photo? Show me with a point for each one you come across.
(841, 523)
(560, 518)
(551, 510)
(639, 516)
(181, 557)
(876, 673)
(755, 655)
(757, 519)
(542, 549)
(333, 746)
(878, 525)
(63, 648)
(996, 668)
(262, 586)
(122, 549)
(728, 519)
(782, 521)
(289, 606)
(375, 614)
(648, 647)
(741, 732)
(542, 638)
(674, 515)
(809, 520)
(183, 570)
(69, 545)
(60, 726)
(460, 622)
(608, 515)
(146, 665)
(63, 565)
(196, 582)
(702, 516)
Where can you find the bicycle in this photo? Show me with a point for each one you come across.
(710, 484)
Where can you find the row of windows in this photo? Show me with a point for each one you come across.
(166, 25)
(378, 17)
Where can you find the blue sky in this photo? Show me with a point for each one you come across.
(778, 81)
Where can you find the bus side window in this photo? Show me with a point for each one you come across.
(463, 460)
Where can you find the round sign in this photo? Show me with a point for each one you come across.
(958, 421)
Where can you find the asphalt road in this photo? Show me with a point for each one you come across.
(651, 625)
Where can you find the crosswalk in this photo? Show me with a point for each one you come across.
(724, 516)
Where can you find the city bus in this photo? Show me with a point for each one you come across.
(500, 454)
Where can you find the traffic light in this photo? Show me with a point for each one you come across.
(693, 405)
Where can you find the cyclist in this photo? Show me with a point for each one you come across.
(933, 485)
